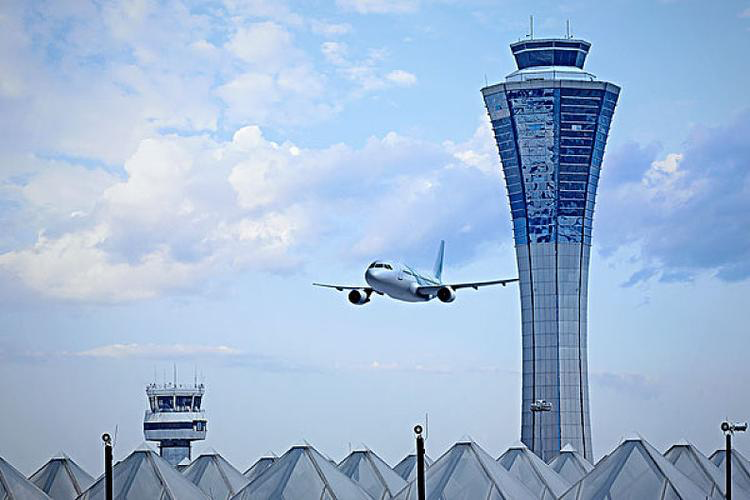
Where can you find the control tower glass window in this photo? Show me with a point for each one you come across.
(166, 403)
(184, 403)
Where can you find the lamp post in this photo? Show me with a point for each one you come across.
(107, 465)
(420, 463)
(729, 428)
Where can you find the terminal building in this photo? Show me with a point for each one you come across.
(551, 119)
(175, 419)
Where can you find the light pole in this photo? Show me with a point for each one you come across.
(730, 428)
(107, 466)
(420, 462)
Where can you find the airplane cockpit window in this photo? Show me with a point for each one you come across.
(380, 265)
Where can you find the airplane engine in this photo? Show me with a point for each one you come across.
(359, 297)
(446, 294)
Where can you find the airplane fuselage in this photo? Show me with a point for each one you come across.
(398, 281)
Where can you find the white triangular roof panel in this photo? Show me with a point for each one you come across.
(533, 473)
(635, 469)
(14, 485)
(373, 474)
(144, 474)
(302, 472)
(215, 476)
(61, 478)
(570, 465)
(466, 471)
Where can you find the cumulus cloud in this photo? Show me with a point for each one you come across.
(190, 209)
(67, 70)
(684, 210)
(267, 45)
(379, 6)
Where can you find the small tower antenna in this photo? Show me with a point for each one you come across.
(531, 27)
(174, 365)
(567, 28)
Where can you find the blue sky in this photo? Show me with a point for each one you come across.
(174, 176)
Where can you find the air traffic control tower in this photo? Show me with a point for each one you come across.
(551, 120)
(175, 419)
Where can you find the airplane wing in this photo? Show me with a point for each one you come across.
(341, 288)
(431, 290)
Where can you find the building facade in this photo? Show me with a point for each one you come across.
(551, 120)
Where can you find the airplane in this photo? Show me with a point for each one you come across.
(402, 282)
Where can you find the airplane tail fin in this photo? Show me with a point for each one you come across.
(438, 270)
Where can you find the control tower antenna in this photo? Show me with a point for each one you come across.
(174, 418)
(567, 28)
(531, 27)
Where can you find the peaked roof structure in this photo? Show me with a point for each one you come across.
(570, 465)
(694, 464)
(467, 471)
(61, 478)
(216, 477)
(740, 467)
(184, 464)
(14, 486)
(407, 468)
(373, 474)
(302, 472)
(258, 468)
(144, 474)
(533, 472)
(635, 469)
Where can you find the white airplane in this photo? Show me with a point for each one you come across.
(402, 282)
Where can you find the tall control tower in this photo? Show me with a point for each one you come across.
(551, 120)
(174, 419)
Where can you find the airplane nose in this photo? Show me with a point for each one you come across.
(369, 276)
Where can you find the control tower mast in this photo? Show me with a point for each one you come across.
(174, 419)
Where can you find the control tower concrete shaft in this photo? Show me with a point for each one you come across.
(551, 120)
(175, 419)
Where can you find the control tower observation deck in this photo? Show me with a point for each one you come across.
(551, 119)
(175, 419)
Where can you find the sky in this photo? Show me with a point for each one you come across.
(175, 175)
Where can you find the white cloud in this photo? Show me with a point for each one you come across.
(366, 73)
(192, 209)
(335, 52)
(76, 267)
(159, 351)
(379, 6)
(267, 45)
(66, 189)
(330, 29)
(402, 78)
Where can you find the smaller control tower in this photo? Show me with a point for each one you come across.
(174, 419)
